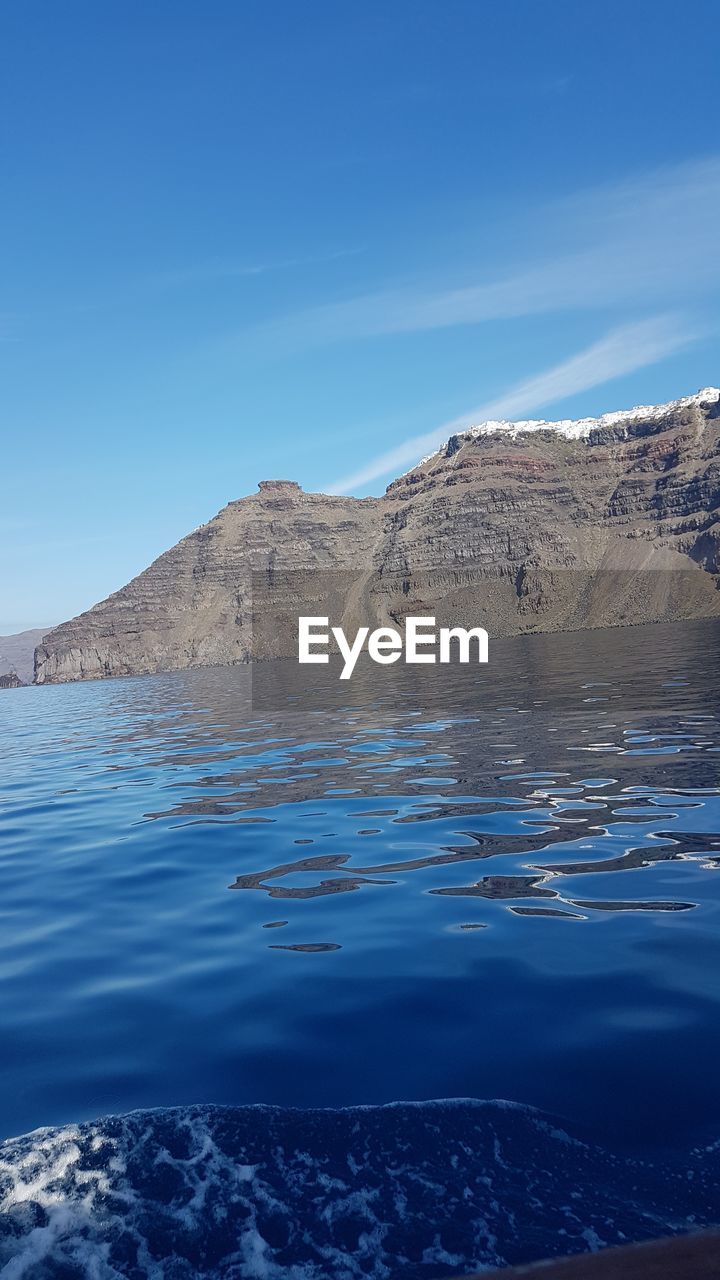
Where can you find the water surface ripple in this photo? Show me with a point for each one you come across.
(503, 886)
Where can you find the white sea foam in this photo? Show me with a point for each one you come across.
(261, 1193)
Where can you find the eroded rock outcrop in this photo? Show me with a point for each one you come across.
(11, 680)
(523, 527)
(17, 651)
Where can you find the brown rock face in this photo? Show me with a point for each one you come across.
(193, 607)
(536, 529)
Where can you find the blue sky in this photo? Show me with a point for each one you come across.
(245, 240)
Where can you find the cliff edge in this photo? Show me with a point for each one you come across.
(531, 526)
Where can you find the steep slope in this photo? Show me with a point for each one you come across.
(193, 605)
(524, 526)
(591, 523)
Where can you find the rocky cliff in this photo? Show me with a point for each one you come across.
(16, 652)
(518, 526)
(10, 681)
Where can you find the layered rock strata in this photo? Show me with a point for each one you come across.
(519, 526)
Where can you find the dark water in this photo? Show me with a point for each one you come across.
(503, 884)
(408, 1192)
(512, 891)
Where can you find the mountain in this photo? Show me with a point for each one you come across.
(529, 526)
(16, 653)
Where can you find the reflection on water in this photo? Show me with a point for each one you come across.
(204, 901)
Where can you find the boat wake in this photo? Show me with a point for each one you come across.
(407, 1190)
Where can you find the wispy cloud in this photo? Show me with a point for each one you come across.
(154, 286)
(621, 351)
(648, 240)
(29, 548)
(218, 269)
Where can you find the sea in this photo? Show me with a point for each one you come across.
(394, 977)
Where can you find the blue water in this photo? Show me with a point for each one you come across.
(403, 1192)
(507, 889)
